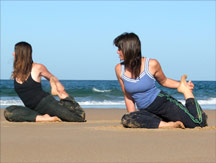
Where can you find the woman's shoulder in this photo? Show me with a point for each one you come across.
(38, 66)
(118, 67)
(37, 71)
(153, 62)
(154, 66)
(118, 70)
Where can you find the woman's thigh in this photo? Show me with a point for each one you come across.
(172, 110)
(49, 105)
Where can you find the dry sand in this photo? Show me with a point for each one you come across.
(103, 139)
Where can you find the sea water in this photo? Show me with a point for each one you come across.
(107, 93)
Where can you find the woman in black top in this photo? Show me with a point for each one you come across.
(40, 106)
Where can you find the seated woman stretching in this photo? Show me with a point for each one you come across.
(157, 109)
(40, 106)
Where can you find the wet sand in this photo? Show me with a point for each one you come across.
(102, 139)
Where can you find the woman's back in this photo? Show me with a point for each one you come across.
(30, 91)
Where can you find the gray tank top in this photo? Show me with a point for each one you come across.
(143, 89)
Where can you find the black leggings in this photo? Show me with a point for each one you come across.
(67, 110)
(166, 108)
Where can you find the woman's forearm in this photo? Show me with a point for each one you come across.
(170, 83)
(59, 86)
(129, 104)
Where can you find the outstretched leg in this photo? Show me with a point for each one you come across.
(67, 102)
(195, 111)
(49, 105)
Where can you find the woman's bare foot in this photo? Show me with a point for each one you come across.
(183, 84)
(177, 124)
(47, 118)
(184, 89)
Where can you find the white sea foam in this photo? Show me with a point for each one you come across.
(209, 101)
(11, 102)
(101, 103)
(98, 90)
(92, 103)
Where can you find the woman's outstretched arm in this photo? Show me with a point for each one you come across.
(156, 71)
(130, 105)
(39, 70)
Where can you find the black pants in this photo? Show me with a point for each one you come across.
(166, 108)
(67, 110)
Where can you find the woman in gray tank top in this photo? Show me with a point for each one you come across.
(156, 109)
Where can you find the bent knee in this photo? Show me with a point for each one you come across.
(124, 120)
(9, 113)
(82, 117)
(127, 121)
(81, 114)
(130, 120)
(204, 120)
(76, 117)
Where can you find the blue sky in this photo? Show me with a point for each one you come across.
(74, 39)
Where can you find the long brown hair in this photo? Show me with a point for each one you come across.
(130, 46)
(23, 61)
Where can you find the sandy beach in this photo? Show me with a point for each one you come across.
(102, 139)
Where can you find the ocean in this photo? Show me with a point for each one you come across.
(107, 93)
